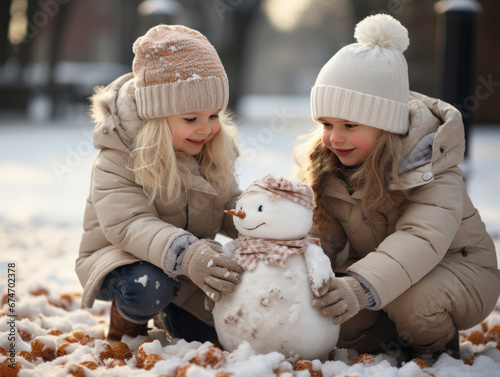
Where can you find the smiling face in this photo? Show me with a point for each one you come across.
(191, 131)
(281, 219)
(350, 141)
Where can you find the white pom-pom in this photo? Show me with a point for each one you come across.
(382, 30)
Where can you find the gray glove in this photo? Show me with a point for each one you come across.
(211, 270)
(344, 299)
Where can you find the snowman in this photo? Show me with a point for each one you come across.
(271, 306)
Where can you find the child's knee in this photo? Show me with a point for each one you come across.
(140, 285)
(422, 314)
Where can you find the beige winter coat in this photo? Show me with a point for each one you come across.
(121, 225)
(440, 225)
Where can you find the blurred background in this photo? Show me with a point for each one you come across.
(53, 52)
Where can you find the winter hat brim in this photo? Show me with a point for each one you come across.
(378, 112)
(162, 100)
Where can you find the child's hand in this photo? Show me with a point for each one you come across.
(344, 299)
(211, 270)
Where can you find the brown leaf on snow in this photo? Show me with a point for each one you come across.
(25, 336)
(75, 336)
(28, 356)
(39, 292)
(469, 360)
(40, 349)
(8, 369)
(181, 371)
(420, 362)
(120, 350)
(117, 363)
(54, 331)
(76, 370)
(211, 356)
(107, 353)
(365, 358)
(307, 365)
(88, 339)
(62, 350)
(89, 364)
(476, 337)
(151, 360)
(493, 333)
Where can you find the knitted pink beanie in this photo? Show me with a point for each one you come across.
(177, 71)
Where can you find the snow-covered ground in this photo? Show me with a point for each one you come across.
(44, 180)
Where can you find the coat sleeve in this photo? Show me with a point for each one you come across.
(422, 237)
(128, 219)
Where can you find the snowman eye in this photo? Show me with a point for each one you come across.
(260, 208)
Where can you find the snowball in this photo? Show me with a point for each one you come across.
(294, 314)
(382, 30)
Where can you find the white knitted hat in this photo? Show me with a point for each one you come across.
(367, 82)
(177, 71)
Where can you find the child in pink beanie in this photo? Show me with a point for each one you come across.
(162, 178)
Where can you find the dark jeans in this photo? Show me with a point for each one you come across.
(142, 290)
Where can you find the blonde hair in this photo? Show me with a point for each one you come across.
(165, 173)
(316, 163)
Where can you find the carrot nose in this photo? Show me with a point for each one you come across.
(237, 212)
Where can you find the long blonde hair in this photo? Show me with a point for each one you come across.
(165, 173)
(316, 163)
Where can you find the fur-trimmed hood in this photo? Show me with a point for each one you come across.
(113, 109)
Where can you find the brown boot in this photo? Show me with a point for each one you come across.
(119, 326)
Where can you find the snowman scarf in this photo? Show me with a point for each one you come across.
(273, 252)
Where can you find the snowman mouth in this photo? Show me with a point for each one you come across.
(253, 228)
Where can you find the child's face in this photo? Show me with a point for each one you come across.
(191, 131)
(351, 142)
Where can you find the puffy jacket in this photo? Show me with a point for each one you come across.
(439, 226)
(121, 225)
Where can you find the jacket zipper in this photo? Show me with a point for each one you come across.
(115, 130)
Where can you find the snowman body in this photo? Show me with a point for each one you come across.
(271, 306)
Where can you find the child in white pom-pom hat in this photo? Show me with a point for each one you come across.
(419, 264)
(161, 181)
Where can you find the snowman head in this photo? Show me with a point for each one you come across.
(275, 208)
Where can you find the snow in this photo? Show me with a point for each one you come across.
(142, 280)
(45, 177)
